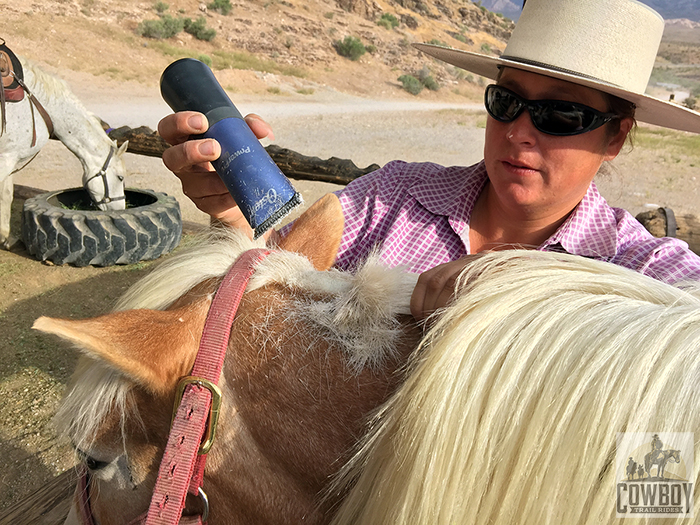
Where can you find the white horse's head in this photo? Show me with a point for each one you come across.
(106, 186)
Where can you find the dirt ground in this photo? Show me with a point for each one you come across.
(660, 171)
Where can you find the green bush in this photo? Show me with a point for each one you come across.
(430, 83)
(165, 27)
(160, 7)
(371, 49)
(350, 47)
(206, 59)
(199, 29)
(411, 84)
(222, 6)
(485, 48)
(388, 20)
(426, 78)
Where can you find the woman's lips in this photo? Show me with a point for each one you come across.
(518, 167)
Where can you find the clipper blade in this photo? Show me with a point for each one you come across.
(277, 216)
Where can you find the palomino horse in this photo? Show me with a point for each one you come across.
(337, 408)
(25, 132)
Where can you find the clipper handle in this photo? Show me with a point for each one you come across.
(260, 189)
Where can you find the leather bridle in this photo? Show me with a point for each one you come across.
(103, 175)
(197, 403)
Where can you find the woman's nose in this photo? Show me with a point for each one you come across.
(522, 130)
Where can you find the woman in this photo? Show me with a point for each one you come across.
(568, 89)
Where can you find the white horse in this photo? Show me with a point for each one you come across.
(25, 133)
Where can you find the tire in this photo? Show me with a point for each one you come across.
(52, 230)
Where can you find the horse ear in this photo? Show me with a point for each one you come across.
(122, 148)
(152, 347)
(317, 232)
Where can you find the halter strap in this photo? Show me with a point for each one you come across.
(182, 466)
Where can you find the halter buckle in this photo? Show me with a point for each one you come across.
(210, 431)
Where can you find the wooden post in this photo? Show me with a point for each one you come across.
(144, 141)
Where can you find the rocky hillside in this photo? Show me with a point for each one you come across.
(292, 39)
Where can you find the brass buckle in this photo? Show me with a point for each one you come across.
(213, 410)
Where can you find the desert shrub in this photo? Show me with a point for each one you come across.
(205, 58)
(165, 27)
(350, 47)
(411, 84)
(436, 42)
(388, 21)
(371, 49)
(160, 7)
(691, 102)
(485, 48)
(222, 6)
(429, 82)
(199, 30)
(426, 78)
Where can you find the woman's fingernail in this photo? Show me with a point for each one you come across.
(206, 148)
(196, 122)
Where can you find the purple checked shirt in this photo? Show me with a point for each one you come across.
(417, 216)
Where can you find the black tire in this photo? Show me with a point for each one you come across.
(52, 229)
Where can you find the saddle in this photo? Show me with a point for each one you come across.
(13, 88)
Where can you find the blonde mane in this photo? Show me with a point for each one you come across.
(513, 403)
(358, 312)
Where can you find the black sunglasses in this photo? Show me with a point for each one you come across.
(553, 117)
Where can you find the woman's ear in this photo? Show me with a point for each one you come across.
(618, 140)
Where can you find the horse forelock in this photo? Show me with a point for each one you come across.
(96, 392)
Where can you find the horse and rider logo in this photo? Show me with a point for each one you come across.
(654, 472)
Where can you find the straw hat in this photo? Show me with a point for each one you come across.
(608, 45)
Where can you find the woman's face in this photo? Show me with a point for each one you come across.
(538, 175)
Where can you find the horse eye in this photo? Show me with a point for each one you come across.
(90, 462)
(93, 464)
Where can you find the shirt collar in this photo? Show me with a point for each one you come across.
(590, 230)
(452, 192)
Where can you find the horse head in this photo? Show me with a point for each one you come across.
(106, 186)
(523, 380)
(294, 399)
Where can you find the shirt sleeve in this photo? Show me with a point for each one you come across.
(666, 259)
(369, 204)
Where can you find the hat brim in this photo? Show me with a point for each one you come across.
(649, 109)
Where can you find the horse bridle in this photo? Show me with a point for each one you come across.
(103, 175)
(197, 404)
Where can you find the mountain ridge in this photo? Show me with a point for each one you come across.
(668, 9)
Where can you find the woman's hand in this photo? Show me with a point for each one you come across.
(190, 161)
(436, 287)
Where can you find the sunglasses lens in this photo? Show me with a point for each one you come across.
(502, 105)
(561, 118)
(551, 116)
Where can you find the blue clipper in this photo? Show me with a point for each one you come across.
(262, 192)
